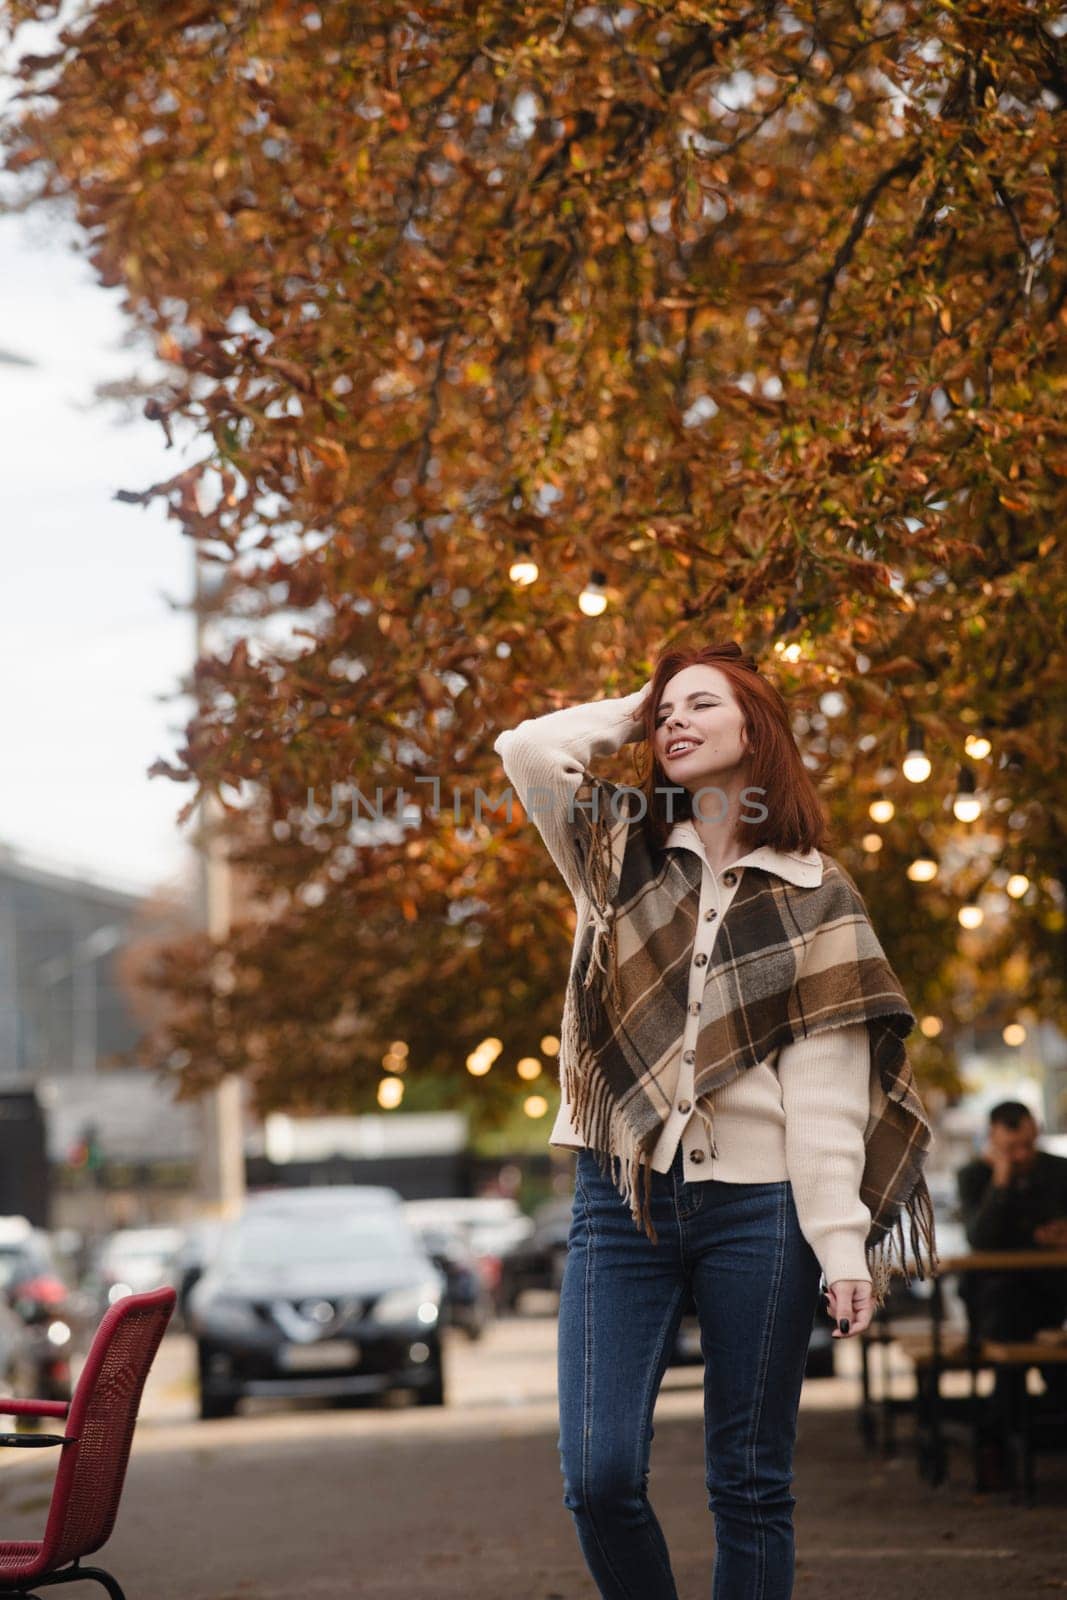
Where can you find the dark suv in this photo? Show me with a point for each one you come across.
(323, 1296)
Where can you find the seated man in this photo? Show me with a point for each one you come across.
(1013, 1196)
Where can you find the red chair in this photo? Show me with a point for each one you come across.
(94, 1448)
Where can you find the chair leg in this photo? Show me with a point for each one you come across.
(1025, 1429)
(75, 1574)
(976, 1412)
(866, 1419)
(889, 1439)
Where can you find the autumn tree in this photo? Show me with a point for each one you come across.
(750, 313)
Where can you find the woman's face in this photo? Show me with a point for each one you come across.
(697, 710)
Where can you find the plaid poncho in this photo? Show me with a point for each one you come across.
(788, 962)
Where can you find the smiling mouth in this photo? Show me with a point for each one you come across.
(685, 750)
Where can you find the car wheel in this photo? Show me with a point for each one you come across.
(216, 1405)
(434, 1393)
(474, 1327)
(211, 1405)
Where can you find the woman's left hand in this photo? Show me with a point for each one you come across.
(849, 1300)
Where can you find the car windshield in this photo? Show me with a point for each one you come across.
(141, 1246)
(288, 1240)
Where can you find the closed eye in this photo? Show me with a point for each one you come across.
(700, 706)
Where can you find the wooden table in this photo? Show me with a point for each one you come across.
(985, 1352)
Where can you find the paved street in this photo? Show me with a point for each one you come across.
(429, 1504)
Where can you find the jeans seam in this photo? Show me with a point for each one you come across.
(650, 1397)
(758, 1394)
(590, 1257)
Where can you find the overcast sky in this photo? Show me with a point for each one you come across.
(90, 645)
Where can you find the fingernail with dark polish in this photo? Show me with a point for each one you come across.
(843, 1324)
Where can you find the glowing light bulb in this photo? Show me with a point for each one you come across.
(881, 810)
(593, 600)
(872, 843)
(535, 1105)
(1017, 885)
(482, 1057)
(977, 746)
(390, 1093)
(930, 1027)
(529, 1067)
(1014, 1033)
(970, 916)
(916, 765)
(524, 569)
(967, 806)
(923, 869)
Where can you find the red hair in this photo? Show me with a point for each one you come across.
(795, 817)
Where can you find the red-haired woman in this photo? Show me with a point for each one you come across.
(732, 1037)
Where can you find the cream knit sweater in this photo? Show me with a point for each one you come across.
(800, 1114)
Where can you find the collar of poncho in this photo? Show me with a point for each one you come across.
(791, 959)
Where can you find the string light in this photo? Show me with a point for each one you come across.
(529, 1067)
(593, 599)
(524, 569)
(390, 1093)
(1014, 1033)
(930, 1027)
(535, 1105)
(916, 765)
(977, 746)
(923, 869)
(970, 916)
(872, 843)
(967, 806)
(1017, 885)
(482, 1057)
(881, 810)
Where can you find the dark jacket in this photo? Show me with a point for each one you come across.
(1005, 1219)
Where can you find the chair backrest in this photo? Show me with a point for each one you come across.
(103, 1411)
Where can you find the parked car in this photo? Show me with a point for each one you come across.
(468, 1303)
(132, 1260)
(318, 1195)
(46, 1309)
(22, 1249)
(12, 1341)
(536, 1261)
(200, 1240)
(326, 1297)
(491, 1226)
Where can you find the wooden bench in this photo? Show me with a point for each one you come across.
(878, 1412)
(939, 1349)
(1019, 1355)
(1006, 1355)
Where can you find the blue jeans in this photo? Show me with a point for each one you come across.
(755, 1280)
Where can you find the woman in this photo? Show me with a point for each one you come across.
(732, 1039)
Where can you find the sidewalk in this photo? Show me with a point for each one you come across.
(466, 1504)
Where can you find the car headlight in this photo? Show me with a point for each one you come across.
(420, 1302)
(223, 1313)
